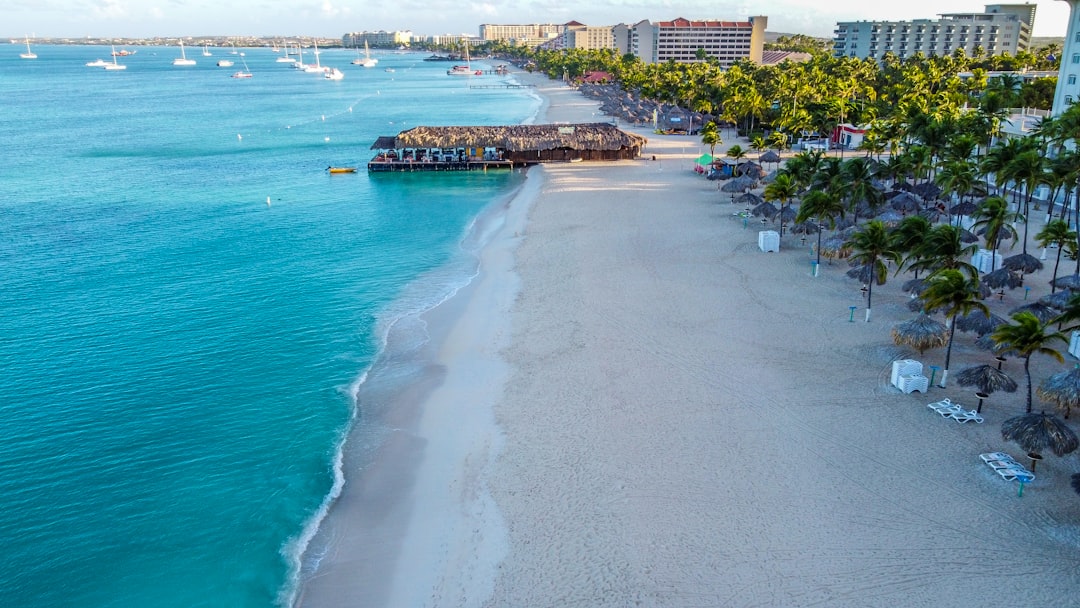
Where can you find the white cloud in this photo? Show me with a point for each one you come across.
(109, 9)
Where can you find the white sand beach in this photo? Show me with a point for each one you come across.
(634, 406)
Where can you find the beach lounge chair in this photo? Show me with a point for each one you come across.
(947, 412)
(1013, 474)
(995, 456)
(967, 416)
(937, 406)
(1003, 464)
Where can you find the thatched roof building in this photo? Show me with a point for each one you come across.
(525, 143)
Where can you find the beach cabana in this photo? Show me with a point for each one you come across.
(516, 145)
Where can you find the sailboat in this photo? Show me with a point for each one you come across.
(205, 51)
(244, 73)
(464, 70)
(182, 59)
(28, 54)
(317, 68)
(114, 65)
(366, 61)
(286, 58)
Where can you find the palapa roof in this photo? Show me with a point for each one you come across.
(516, 138)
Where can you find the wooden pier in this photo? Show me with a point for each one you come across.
(399, 166)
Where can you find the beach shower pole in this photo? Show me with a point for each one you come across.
(851, 318)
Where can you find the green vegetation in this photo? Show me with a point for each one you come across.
(800, 43)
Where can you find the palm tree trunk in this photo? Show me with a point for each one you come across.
(1053, 287)
(948, 353)
(1027, 374)
(818, 265)
(870, 292)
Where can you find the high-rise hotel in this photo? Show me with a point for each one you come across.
(1001, 28)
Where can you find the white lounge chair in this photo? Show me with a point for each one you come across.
(966, 416)
(944, 404)
(1014, 474)
(1004, 464)
(948, 412)
(996, 456)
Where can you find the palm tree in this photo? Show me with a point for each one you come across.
(858, 175)
(1026, 337)
(736, 152)
(909, 238)
(710, 136)
(782, 189)
(949, 290)
(1028, 169)
(944, 248)
(822, 207)
(995, 220)
(872, 248)
(1056, 233)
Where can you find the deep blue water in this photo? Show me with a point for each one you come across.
(179, 357)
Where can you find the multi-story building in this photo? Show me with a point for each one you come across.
(683, 40)
(380, 38)
(531, 35)
(1068, 87)
(1001, 28)
(581, 36)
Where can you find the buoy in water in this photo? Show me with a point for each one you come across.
(268, 201)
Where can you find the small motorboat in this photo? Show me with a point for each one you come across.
(341, 169)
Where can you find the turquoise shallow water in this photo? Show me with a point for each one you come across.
(179, 356)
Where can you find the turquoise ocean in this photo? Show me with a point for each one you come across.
(178, 356)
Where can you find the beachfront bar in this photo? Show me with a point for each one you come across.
(502, 147)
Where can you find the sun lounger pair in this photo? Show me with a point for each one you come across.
(948, 409)
(1005, 466)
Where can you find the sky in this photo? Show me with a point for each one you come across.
(333, 18)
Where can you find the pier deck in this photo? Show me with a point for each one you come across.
(377, 166)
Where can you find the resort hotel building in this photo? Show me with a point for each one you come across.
(1001, 28)
(681, 39)
(1068, 89)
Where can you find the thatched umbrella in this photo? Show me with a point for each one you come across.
(927, 190)
(749, 199)
(1000, 279)
(751, 170)
(739, 184)
(1057, 300)
(920, 333)
(1035, 433)
(978, 322)
(914, 286)
(905, 202)
(1041, 311)
(986, 379)
(863, 273)
(765, 209)
(1071, 281)
(931, 213)
(1076, 482)
(968, 236)
(1022, 262)
(903, 185)
(787, 214)
(843, 223)
(1062, 390)
(805, 228)
(835, 247)
(890, 216)
(963, 208)
(769, 157)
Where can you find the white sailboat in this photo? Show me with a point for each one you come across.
(28, 54)
(366, 60)
(464, 70)
(286, 58)
(244, 73)
(205, 51)
(317, 68)
(114, 65)
(182, 59)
